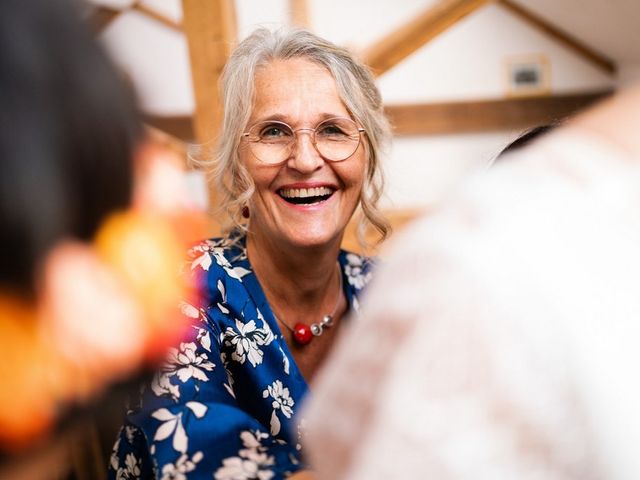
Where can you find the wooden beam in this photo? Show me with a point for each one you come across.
(400, 43)
(300, 13)
(210, 27)
(178, 126)
(449, 117)
(157, 16)
(168, 141)
(101, 17)
(599, 60)
(488, 115)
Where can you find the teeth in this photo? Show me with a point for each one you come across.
(305, 192)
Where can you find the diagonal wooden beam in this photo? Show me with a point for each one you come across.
(168, 141)
(486, 115)
(101, 17)
(178, 126)
(157, 16)
(599, 60)
(400, 43)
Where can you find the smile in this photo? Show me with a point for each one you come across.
(306, 196)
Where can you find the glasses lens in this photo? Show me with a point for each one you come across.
(270, 141)
(337, 138)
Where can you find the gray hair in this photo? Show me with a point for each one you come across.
(356, 88)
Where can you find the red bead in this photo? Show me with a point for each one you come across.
(302, 333)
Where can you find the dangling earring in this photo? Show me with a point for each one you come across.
(245, 211)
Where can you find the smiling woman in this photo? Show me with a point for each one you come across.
(298, 155)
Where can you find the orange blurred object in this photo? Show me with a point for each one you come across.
(103, 310)
(27, 408)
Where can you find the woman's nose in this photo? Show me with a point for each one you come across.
(304, 156)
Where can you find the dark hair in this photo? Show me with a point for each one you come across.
(526, 138)
(68, 127)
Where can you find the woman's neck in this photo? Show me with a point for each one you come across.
(295, 279)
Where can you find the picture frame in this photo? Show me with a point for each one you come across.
(527, 75)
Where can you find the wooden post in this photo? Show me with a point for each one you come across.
(155, 15)
(399, 44)
(300, 13)
(210, 27)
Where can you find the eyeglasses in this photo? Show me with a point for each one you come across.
(335, 139)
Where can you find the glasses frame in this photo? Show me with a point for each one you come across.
(311, 131)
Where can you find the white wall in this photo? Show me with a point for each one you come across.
(465, 62)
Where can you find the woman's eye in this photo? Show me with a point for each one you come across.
(274, 131)
(331, 131)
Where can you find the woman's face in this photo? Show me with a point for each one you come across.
(282, 209)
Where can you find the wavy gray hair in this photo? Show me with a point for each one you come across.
(356, 88)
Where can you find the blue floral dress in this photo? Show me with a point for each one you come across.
(222, 406)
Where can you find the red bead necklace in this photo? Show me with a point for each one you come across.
(303, 333)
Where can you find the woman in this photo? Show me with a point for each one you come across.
(75, 311)
(299, 153)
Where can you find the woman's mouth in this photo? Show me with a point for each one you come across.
(306, 196)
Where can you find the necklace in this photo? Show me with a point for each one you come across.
(303, 333)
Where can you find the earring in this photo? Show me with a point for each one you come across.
(245, 211)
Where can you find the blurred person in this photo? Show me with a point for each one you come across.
(500, 338)
(299, 153)
(88, 276)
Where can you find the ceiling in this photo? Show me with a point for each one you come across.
(611, 27)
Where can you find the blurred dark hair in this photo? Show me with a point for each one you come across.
(526, 138)
(68, 128)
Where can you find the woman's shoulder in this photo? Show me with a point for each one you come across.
(219, 256)
(357, 268)
(214, 266)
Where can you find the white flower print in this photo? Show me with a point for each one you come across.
(114, 460)
(223, 295)
(281, 401)
(187, 364)
(129, 432)
(204, 338)
(177, 471)
(208, 251)
(184, 363)
(285, 361)
(354, 271)
(253, 439)
(248, 341)
(161, 385)
(172, 425)
(131, 469)
(252, 462)
(229, 385)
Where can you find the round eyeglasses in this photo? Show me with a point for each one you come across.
(335, 139)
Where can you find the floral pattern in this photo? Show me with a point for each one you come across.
(246, 341)
(223, 406)
(252, 461)
(357, 271)
(281, 401)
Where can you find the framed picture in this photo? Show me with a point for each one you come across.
(528, 75)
